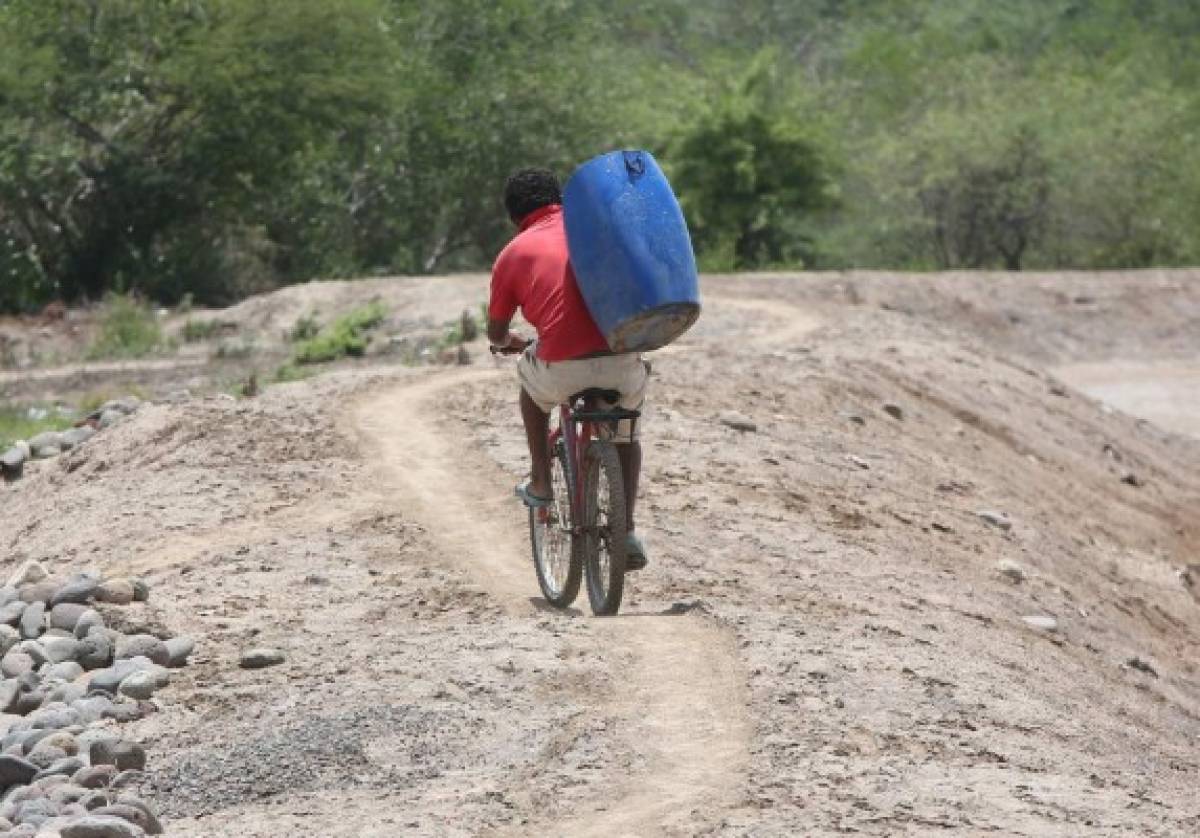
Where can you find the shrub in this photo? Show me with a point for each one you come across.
(128, 329)
(345, 336)
(198, 330)
(305, 328)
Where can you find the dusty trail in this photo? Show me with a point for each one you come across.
(682, 701)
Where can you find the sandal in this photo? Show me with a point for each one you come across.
(635, 553)
(529, 499)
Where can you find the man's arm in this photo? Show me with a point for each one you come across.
(497, 331)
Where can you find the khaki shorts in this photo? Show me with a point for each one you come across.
(551, 383)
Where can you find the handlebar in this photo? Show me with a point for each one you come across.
(510, 349)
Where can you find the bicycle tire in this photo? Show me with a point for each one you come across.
(604, 528)
(560, 596)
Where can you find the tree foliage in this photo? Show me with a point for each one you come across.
(220, 147)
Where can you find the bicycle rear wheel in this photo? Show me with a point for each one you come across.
(557, 557)
(604, 527)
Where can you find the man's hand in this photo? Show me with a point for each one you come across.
(503, 341)
(513, 345)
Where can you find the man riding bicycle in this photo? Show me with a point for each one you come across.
(533, 273)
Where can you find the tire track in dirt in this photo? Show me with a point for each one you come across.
(681, 703)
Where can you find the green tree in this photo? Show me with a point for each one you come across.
(751, 178)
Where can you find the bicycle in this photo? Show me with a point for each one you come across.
(581, 534)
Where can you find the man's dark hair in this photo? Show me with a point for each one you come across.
(529, 190)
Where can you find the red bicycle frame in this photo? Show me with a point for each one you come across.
(575, 436)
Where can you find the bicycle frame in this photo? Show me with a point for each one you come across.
(576, 436)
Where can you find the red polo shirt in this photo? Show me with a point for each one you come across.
(534, 273)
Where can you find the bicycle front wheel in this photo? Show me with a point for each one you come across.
(604, 527)
(556, 557)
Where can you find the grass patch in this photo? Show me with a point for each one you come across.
(346, 336)
(24, 422)
(305, 328)
(291, 372)
(195, 331)
(128, 329)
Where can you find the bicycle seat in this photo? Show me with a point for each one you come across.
(595, 400)
(596, 394)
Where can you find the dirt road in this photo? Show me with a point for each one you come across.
(832, 636)
(687, 720)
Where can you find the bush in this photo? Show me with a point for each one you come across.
(344, 337)
(195, 331)
(305, 328)
(128, 329)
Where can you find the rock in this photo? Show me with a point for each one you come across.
(38, 592)
(8, 594)
(59, 649)
(141, 591)
(34, 649)
(62, 740)
(10, 692)
(1042, 623)
(36, 811)
(894, 410)
(88, 738)
(12, 463)
(858, 461)
(91, 708)
(133, 815)
(996, 519)
(48, 444)
(152, 824)
(95, 652)
(78, 590)
(1142, 665)
(66, 793)
(101, 826)
(125, 755)
(68, 670)
(10, 613)
(75, 437)
(43, 755)
(115, 592)
(15, 771)
(139, 686)
(109, 680)
(110, 418)
(15, 663)
(66, 615)
(33, 621)
(1011, 570)
(54, 717)
(94, 776)
(1131, 479)
(88, 621)
(260, 658)
(9, 637)
(64, 767)
(737, 421)
(143, 646)
(94, 799)
(124, 711)
(179, 649)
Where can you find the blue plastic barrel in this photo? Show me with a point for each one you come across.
(631, 251)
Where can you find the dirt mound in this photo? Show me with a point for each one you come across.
(941, 588)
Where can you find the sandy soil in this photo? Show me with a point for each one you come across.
(829, 638)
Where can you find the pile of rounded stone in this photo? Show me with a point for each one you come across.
(68, 682)
(52, 443)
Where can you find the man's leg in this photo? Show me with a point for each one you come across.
(537, 427)
(630, 454)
